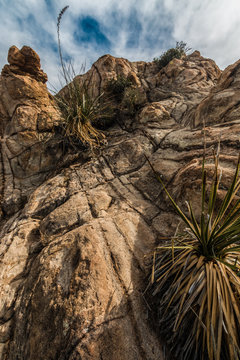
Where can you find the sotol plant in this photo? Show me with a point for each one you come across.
(195, 283)
(80, 109)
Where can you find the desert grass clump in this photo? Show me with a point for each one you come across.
(80, 109)
(174, 53)
(195, 281)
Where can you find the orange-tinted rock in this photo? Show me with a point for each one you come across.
(32, 60)
(222, 104)
(24, 62)
(73, 269)
(24, 101)
(15, 57)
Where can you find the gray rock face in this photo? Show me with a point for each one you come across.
(74, 240)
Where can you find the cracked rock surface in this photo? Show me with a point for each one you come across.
(73, 240)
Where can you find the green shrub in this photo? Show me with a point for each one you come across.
(173, 53)
(133, 99)
(117, 86)
(195, 283)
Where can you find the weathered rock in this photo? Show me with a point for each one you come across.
(15, 57)
(73, 264)
(24, 61)
(222, 104)
(28, 115)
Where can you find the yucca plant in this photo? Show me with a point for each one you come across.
(195, 283)
(80, 109)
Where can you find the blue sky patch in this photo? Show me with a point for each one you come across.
(42, 37)
(134, 29)
(89, 31)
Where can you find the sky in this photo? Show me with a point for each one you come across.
(133, 29)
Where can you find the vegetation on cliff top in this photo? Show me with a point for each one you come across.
(174, 53)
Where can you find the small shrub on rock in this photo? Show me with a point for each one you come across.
(133, 100)
(117, 86)
(174, 53)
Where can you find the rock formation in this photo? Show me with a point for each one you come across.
(75, 239)
(28, 114)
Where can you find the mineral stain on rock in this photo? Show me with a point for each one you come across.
(74, 234)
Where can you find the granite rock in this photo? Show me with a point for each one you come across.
(76, 241)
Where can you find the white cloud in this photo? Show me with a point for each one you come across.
(211, 26)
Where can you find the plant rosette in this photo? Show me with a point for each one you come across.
(195, 283)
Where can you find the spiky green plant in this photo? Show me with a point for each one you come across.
(81, 110)
(195, 283)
